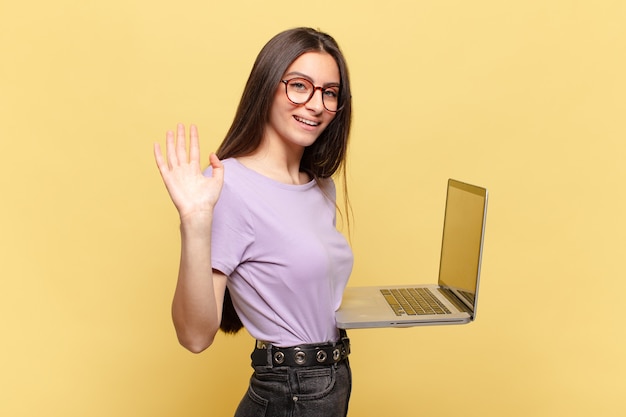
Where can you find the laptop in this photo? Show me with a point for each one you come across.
(454, 298)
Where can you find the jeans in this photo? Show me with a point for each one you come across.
(315, 391)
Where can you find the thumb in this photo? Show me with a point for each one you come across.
(217, 166)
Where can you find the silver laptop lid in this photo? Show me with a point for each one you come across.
(462, 243)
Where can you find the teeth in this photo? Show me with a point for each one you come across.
(307, 122)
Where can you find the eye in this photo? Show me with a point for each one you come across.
(331, 93)
(299, 85)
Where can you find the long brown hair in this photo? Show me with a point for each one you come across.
(325, 156)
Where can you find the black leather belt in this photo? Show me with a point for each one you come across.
(265, 354)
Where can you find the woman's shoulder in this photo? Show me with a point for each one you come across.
(328, 186)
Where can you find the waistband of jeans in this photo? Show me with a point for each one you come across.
(266, 354)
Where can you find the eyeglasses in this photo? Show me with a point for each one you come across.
(301, 90)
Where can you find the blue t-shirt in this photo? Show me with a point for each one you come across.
(286, 262)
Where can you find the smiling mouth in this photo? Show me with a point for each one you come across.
(306, 122)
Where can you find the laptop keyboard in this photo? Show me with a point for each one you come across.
(413, 301)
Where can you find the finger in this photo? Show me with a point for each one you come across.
(194, 145)
(170, 149)
(158, 157)
(181, 144)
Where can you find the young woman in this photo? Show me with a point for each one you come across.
(259, 245)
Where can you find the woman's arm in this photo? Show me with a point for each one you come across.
(199, 295)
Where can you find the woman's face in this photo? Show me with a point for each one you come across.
(299, 125)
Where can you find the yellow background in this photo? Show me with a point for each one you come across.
(526, 98)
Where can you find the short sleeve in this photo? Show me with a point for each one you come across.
(231, 230)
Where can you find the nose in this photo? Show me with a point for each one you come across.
(316, 102)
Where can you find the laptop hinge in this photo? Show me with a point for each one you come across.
(454, 300)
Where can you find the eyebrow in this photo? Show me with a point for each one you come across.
(301, 75)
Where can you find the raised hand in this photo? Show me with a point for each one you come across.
(190, 191)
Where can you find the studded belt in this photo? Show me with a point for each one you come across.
(265, 354)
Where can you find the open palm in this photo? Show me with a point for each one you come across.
(190, 191)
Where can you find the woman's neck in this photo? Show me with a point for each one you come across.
(277, 163)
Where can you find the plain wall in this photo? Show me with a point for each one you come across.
(525, 98)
